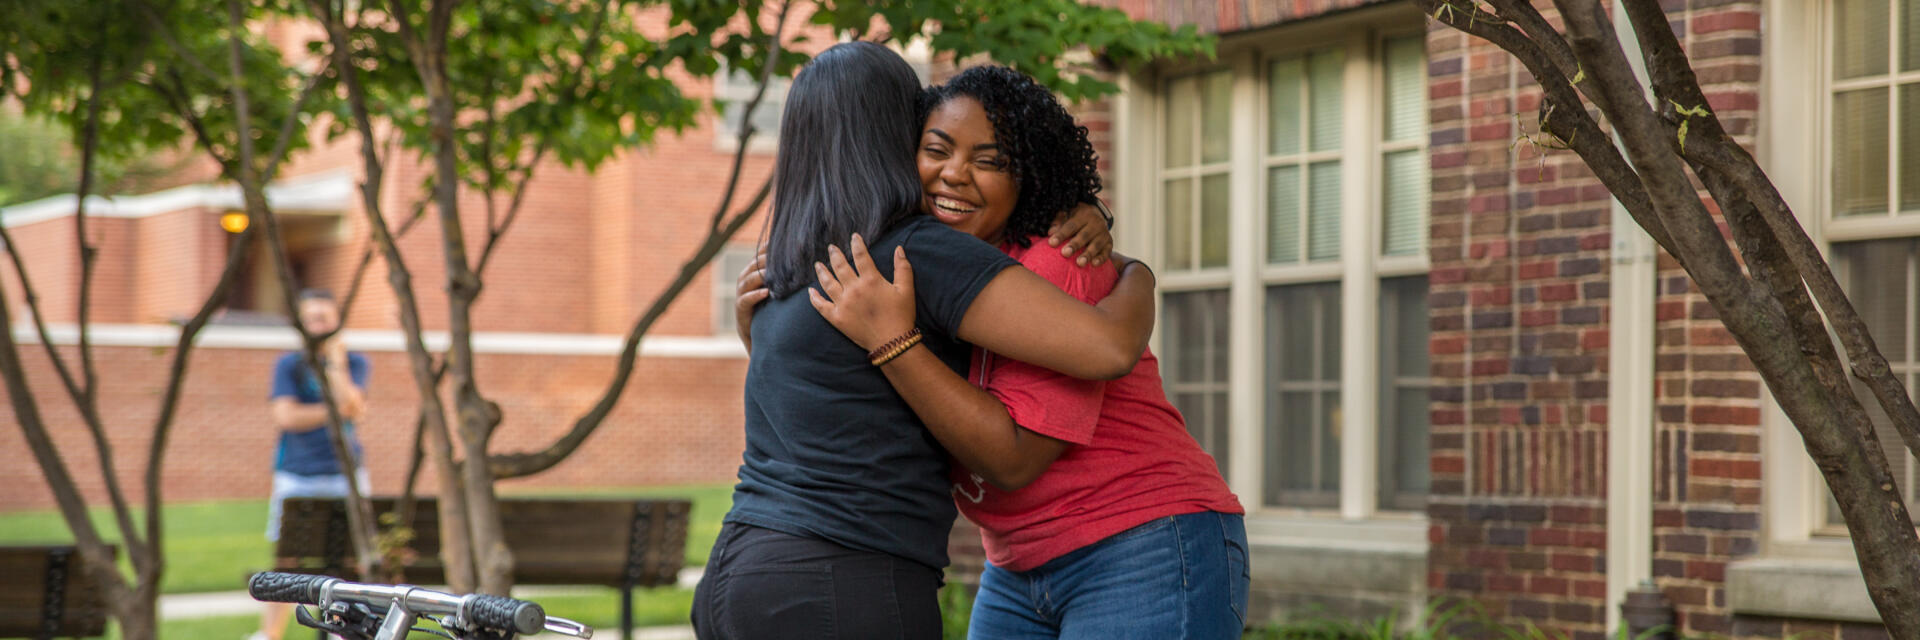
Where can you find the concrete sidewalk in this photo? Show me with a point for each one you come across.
(238, 603)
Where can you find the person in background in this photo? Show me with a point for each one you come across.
(304, 464)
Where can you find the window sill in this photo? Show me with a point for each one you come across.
(1386, 554)
(1813, 587)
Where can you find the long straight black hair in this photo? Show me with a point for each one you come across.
(845, 163)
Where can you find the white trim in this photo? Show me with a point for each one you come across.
(284, 338)
(328, 191)
(1630, 340)
(1799, 588)
(1792, 155)
(1359, 287)
(1326, 530)
(1246, 375)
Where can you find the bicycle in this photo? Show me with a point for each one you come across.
(358, 611)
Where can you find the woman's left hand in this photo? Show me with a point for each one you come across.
(1082, 231)
(859, 301)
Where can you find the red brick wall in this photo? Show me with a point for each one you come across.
(1520, 293)
(1227, 16)
(677, 422)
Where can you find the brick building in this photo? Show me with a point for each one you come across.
(1434, 363)
(1431, 362)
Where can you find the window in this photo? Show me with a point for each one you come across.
(1298, 176)
(1880, 277)
(1874, 113)
(726, 278)
(256, 296)
(1869, 199)
(733, 88)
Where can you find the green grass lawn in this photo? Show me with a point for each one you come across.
(214, 545)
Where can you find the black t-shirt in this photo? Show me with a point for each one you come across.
(832, 451)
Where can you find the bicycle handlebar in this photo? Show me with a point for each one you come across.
(492, 612)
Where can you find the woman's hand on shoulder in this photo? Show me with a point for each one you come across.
(859, 301)
(1082, 231)
(751, 290)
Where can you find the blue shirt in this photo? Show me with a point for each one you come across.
(310, 453)
(833, 452)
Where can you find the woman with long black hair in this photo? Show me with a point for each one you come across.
(840, 518)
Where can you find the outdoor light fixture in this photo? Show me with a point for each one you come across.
(234, 221)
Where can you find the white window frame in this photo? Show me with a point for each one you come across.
(1798, 159)
(725, 273)
(1358, 523)
(726, 137)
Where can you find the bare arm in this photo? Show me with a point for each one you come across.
(1100, 342)
(293, 415)
(290, 414)
(971, 423)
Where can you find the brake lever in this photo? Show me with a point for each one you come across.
(567, 627)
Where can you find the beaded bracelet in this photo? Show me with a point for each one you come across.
(893, 348)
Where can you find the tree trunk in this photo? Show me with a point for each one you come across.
(1770, 312)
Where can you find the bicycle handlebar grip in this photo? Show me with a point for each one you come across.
(497, 612)
(273, 586)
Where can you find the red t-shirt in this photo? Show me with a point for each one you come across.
(1130, 458)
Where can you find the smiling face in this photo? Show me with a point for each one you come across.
(965, 177)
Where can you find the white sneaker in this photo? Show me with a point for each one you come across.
(257, 635)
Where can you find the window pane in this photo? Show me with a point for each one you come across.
(1403, 392)
(1860, 152)
(1294, 446)
(1910, 35)
(1860, 38)
(1179, 224)
(1330, 424)
(1406, 88)
(1195, 337)
(1283, 214)
(1213, 220)
(1878, 277)
(1219, 445)
(1283, 105)
(1216, 126)
(1876, 282)
(1324, 70)
(1181, 95)
(1910, 148)
(1403, 177)
(1303, 401)
(1323, 211)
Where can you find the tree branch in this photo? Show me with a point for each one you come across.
(1578, 129)
(455, 548)
(1822, 407)
(515, 465)
(746, 117)
(1712, 147)
(359, 518)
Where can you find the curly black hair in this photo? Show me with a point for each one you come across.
(1046, 150)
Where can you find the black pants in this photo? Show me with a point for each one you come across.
(764, 584)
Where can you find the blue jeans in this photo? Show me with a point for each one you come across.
(1176, 577)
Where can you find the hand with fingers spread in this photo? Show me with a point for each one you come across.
(1083, 230)
(859, 301)
(751, 288)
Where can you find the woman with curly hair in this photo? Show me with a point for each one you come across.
(1100, 514)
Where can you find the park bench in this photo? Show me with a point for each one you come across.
(44, 594)
(622, 543)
